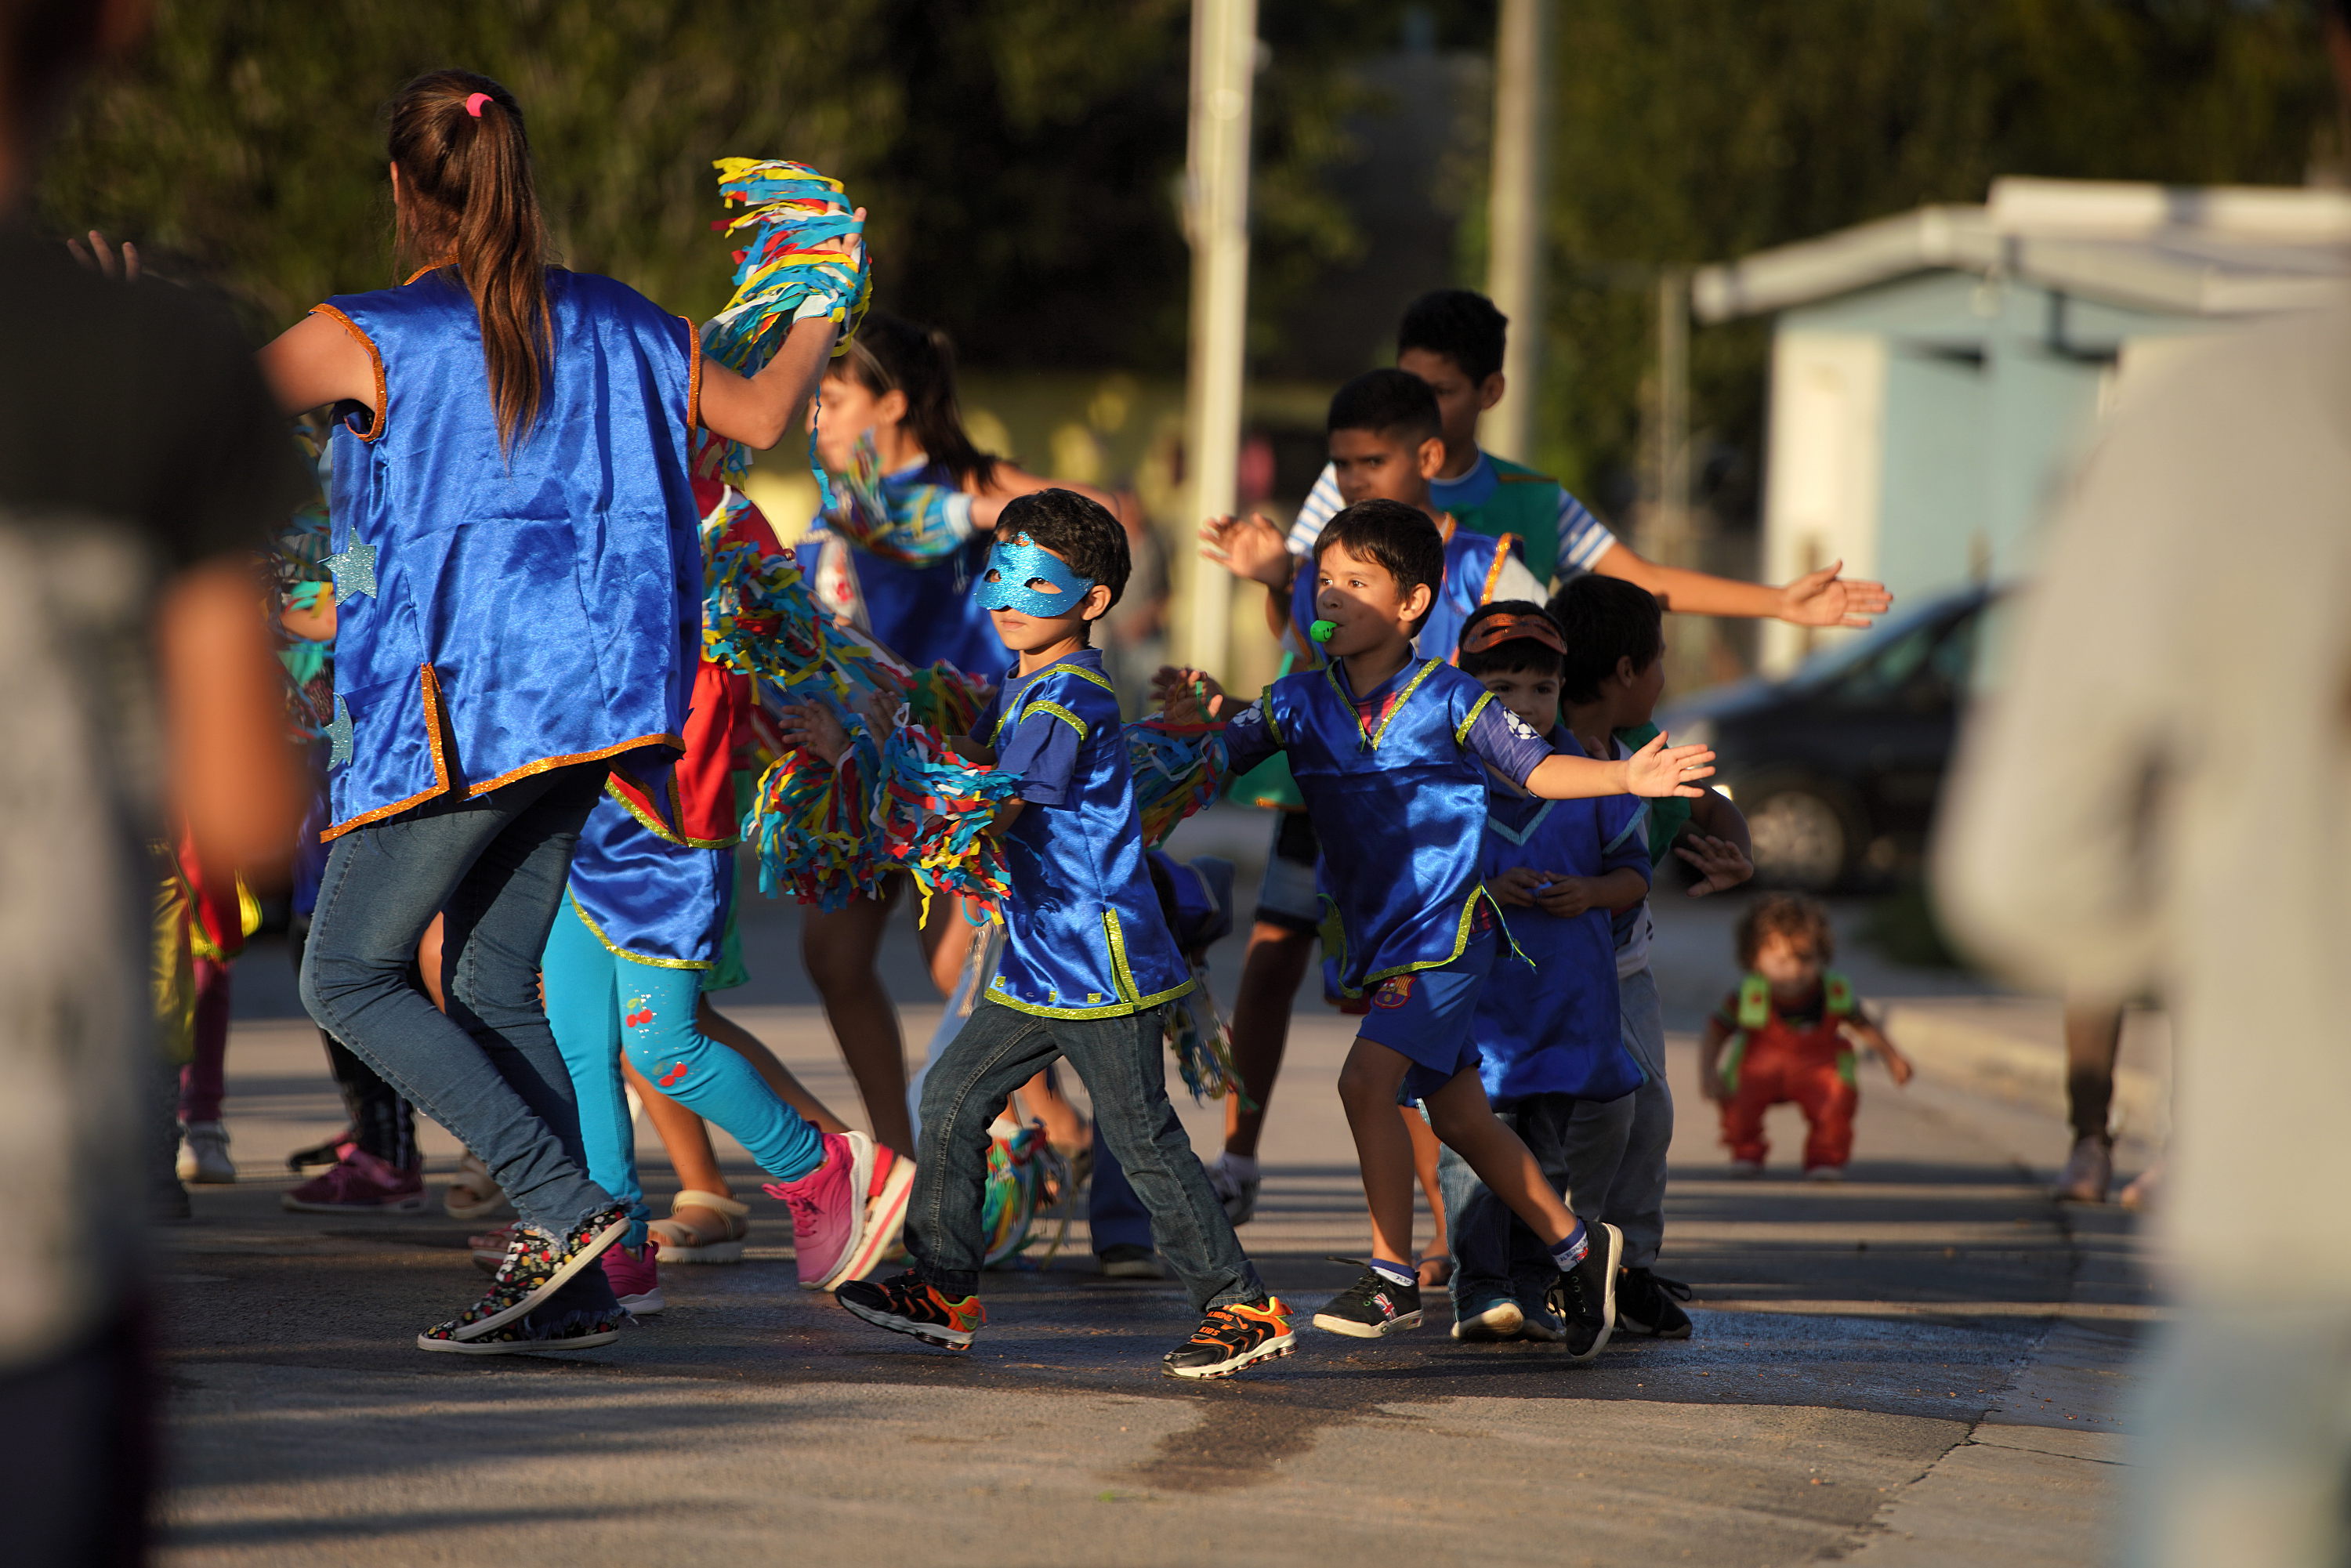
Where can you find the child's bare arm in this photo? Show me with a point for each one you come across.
(1710, 1060)
(1898, 1066)
(1655, 770)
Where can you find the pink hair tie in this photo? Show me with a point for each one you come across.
(474, 104)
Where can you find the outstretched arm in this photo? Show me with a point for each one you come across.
(1655, 770)
(1817, 599)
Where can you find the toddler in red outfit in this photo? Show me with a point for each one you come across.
(1787, 1034)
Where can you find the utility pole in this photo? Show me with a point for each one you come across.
(1515, 216)
(1215, 222)
(1675, 542)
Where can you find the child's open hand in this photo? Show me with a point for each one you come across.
(1517, 887)
(1188, 696)
(1721, 865)
(1250, 546)
(1659, 770)
(1898, 1066)
(812, 726)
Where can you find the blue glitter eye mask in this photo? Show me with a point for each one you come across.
(1013, 567)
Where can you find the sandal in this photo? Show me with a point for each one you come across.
(682, 1242)
(472, 1194)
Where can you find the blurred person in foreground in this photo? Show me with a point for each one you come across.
(125, 590)
(2199, 842)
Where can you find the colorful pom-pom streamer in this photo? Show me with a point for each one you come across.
(1177, 769)
(901, 802)
(797, 218)
(898, 516)
(1203, 1046)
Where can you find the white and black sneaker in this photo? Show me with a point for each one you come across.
(1372, 1308)
(1586, 1295)
(1649, 1304)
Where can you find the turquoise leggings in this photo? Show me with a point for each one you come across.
(602, 1003)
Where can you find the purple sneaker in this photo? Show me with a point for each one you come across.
(361, 1183)
(828, 1208)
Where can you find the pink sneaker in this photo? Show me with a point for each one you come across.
(885, 1212)
(634, 1276)
(361, 1183)
(828, 1208)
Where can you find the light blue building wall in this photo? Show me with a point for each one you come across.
(1936, 375)
(1990, 391)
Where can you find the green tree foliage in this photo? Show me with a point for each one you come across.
(1022, 158)
(249, 136)
(1701, 129)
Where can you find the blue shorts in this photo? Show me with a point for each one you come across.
(1425, 1016)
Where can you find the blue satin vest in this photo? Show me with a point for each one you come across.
(1399, 815)
(926, 614)
(647, 896)
(1085, 936)
(1472, 561)
(1558, 1031)
(501, 614)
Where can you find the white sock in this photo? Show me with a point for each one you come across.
(1240, 1168)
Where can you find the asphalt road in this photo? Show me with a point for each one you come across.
(1920, 1366)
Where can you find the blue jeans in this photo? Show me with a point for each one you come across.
(1122, 1062)
(601, 1003)
(1578, 1144)
(1114, 1214)
(495, 866)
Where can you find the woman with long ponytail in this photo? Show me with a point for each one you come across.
(517, 590)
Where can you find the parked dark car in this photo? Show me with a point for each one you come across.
(1837, 767)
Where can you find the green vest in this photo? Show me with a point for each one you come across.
(1526, 503)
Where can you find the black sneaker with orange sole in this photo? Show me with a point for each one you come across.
(904, 1303)
(1230, 1338)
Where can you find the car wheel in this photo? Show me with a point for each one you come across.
(1803, 837)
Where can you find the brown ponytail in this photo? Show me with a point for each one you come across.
(467, 199)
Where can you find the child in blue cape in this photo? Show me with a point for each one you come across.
(1392, 755)
(1555, 1067)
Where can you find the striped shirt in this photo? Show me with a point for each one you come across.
(1583, 537)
